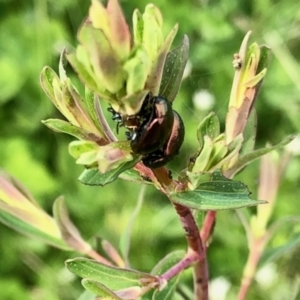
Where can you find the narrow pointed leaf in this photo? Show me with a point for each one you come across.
(218, 194)
(138, 27)
(85, 75)
(126, 236)
(106, 65)
(173, 70)
(31, 231)
(119, 32)
(209, 126)
(247, 158)
(90, 99)
(99, 289)
(203, 158)
(69, 232)
(112, 277)
(46, 78)
(249, 133)
(274, 254)
(65, 127)
(113, 254)
(137, 69)
(165, 264)
(154, 78)
(265, 58)
(219, 151)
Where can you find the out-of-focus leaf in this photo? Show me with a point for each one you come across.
(86, 295)
(247, 158)
(27, 229)
(25, 216)
(218, 194)
(126, 236)
(273, 254)
(12, 78)
(69, 232)
(113, 254)
(112, 277)
(173, 70)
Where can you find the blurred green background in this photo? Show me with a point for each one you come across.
(32, 34)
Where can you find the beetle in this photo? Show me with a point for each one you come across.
(155, 130)
(170, 149)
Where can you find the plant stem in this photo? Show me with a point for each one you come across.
(187, 261)
(196, 247)
(96, 256)
(196, 250)
(208, 225)
(256, 249)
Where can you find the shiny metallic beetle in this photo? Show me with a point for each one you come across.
(170, 149)
(156, 132)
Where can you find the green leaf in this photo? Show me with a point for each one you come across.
(133, 176)
(249, 133)
(107, 68)
(165, 264)
(70, 234)
(77, 148)
(94, 177)
(218, 194)
(202, 160)
(138, 27)
(273, 254)
(90, 101)
(99, 289)
(248, 158)
(112, 277)
(46, 78)
(173, 70)
(154, 78)
(84, 74)
(32, 231)
(265, 58)
(86, 295)
(209, 126)
(65, 127)
(137, 69)
(126, 236)
(219, 151)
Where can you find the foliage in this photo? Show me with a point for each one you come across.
(34, 34)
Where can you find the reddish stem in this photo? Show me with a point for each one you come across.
(187, 261)
(208, 225)
(256, 249)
